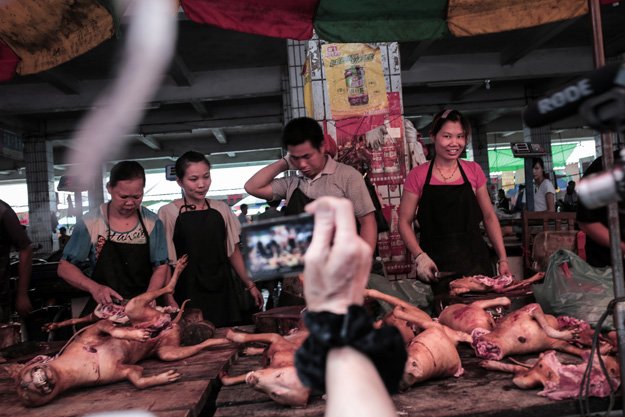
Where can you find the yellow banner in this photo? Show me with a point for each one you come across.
(355, 79)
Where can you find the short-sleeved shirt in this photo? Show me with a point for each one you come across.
(336, 180)
(12, 234)
(416, 178)
(540, 196)
(169, 214)
(91, 232)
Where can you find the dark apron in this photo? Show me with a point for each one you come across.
(125, 267)
(207, 280)
(297, 202)
(449, 217)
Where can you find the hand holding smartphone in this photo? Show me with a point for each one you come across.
(276, 247)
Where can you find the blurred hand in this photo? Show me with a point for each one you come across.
(257, 296)
(503, 268)
(104, 295)
(338, 261)
(23, 305)
(426, 268)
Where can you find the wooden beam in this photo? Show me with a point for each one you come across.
(220, 135)
(150, 142)
(200, 108)
(180, 73)
(466, 91)
(542, 35)
(61, 80)
(413, 56)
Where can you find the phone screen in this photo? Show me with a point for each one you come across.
(276, 247)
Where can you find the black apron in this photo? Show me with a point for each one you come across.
(449, 217)
(297, 202)
(125, 267)
(207, 280)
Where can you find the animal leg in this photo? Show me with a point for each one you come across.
(417, 319)
(174, 352)
(227, 380)
(502, 367)
(128, 333)
(525, 282)
(48, 327)
(138, 308)
(134, 374)
(392, 300)
(538, 315)
(495, 302)
(241, 337)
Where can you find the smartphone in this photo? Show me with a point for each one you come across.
(276, 247)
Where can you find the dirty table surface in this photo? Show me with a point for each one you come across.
(476, 393)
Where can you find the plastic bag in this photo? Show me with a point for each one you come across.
(574, 288)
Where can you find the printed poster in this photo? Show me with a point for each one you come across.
(375, 144)
(355, 80)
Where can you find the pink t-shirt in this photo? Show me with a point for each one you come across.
(416, 177)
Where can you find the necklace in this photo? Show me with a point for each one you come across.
(443, 176)
(193, 207)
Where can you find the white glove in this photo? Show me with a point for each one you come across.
(426, 268)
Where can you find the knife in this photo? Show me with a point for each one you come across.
(439, 275)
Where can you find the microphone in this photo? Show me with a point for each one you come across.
(566, 100)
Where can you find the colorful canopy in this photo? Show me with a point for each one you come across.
(45, 34)
(501, 159)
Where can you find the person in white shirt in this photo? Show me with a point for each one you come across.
(544, 194)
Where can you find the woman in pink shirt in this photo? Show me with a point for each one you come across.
(449, 199)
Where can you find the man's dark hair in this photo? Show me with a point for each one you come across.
(300, 130)
(274, 203)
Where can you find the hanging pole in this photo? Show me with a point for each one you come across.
(613, 217)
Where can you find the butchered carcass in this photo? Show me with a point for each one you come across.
(104, 352)
(526, 330)
(561, 381)
(500, 284)
(279, 378)
(433, 354)
(468, 317)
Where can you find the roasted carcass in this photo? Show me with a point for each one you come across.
(526, 330)
(560, 381)
(105, 352)
(500, 284)
(468, 317)
(279, 378)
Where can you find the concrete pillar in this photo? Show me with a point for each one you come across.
(41, 194)
(96, 192)
(293, 82)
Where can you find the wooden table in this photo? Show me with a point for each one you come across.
(477, 393)
(188, 397)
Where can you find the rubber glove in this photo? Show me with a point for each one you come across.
(426, 268)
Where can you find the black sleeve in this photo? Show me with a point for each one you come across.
(14, 230)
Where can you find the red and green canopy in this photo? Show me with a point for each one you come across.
(36, 36)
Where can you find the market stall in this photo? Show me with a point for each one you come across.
(477, 392)
(187, 397)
